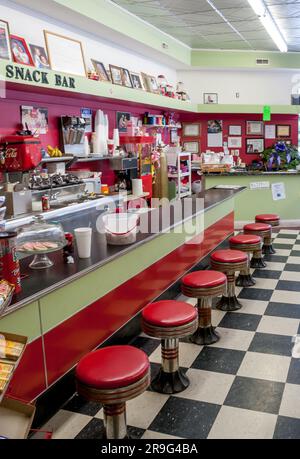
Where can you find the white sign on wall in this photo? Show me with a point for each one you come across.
(278, 191)
(259, 185)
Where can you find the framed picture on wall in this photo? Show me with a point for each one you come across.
(39, 57)
(283, 130)
(235, 130)
(116, 74)
(100, 70)
(65, 54)
(255, 146)
(174, 136)
(191, 130)
(125, 77)
(254, 128)
(136, 80)
(5, 49)
(210, 98)
(191, 147)
(20, 51)
(123, 119)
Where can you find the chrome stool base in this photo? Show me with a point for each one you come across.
(170, 383)
(257, 263)
(268, 250)
(205, 336)
(229, 304)
(245, 280)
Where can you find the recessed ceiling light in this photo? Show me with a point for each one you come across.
(266, 18)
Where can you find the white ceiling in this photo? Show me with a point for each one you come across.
(195, 23)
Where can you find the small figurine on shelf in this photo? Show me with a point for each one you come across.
(162, 83)
(92, 75)
(181, 92)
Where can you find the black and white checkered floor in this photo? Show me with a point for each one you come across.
(245, 386)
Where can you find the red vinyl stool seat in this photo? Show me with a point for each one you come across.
(271, 219)
(248, 243)
(112, 376)
(229, 262)
(170, 320)
(264, 230)
(204, 285)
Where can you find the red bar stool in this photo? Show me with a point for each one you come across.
(249, 244)
(270, 219)
(263, 230)
(228, 262)
(204, 285)
(170, 320)
(112, 376)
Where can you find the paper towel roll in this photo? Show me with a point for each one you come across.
(116, 138)
(137, 187)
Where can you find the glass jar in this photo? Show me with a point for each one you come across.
(40, 238)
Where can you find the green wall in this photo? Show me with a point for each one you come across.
(253, 202)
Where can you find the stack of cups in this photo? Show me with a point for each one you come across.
(84, 242)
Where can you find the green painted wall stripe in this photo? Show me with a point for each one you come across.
(243, 59)
(241, 108)
(253, 202)
(24, 321)
(65, 302)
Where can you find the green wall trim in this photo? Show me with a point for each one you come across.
(243, 59)
(109, 15)
(24, 321)
(253, 202)
(240, 108)
(67, 301)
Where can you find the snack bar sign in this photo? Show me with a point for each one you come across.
(13, 72)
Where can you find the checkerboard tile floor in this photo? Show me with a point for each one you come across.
(245, 386)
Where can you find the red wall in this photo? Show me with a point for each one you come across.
(239, 119)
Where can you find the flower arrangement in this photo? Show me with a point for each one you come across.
(281, 156)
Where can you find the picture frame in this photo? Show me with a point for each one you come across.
(174, 136)
(152, 84)
(235, 130)
(20, 51)
(255, 146)
(254, 128)
(122, 120)
(100, 70)
(35, 119)
(210, 98)
(5, 44)
(39, 56)
(234, 142)
(283, 131)
(215, 127)
(191, 130)
(126, 78)
(295, 99)
(137, 82)
(145, 81)
(65, 54)
(192, 147)
(116, 75)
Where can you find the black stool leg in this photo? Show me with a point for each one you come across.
(205, 334)
(257, 261)
(171, 379)
(230, 302)
(245, 278)
(268, 247)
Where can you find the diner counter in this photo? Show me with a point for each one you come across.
(71, 309)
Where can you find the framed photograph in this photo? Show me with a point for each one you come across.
(5, 49)
(35, 119)
(122, 121)
(214, 126)
(191, 130)
(295, 99)
(234, 142)
(39, 56)
(210, 98)
(116, 74)
(235, 130)
(100, 70)
(153, 85)
(136, 79)
(65, 54)
(255, 146)
(270, 131)
(191, 147)
(125, 77)
(20, 51)
(283, 130)
(174, 136)
(254, 128)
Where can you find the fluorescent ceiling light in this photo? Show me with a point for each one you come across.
(261, 9)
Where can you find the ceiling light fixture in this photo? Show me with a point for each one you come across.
(267, 20)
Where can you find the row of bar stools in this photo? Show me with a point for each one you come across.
(170, 320)
(229, 262)
(249, 244)
(112, 376)
(204, 286)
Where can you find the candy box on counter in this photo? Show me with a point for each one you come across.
(11, 350)
(6, 294)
